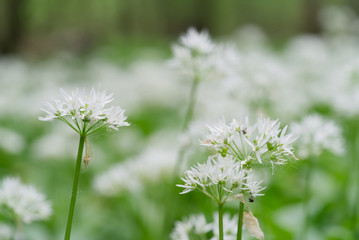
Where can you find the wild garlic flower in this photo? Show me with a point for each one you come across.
(24, 201)
(116, 181)
(196, 227)
(192, 55)
(317, 134)
(193, 226)
(197, 42)
(230, 225)
(85, 113)
(153, 165)
(6, 232)
(221, 178)
(262, 143)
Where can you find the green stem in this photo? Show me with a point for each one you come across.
(18, 230)
(240, 220)
(355, 176)
(306, 206)
(220, 220)
(187, 119)
(192, 98)
(74, 187)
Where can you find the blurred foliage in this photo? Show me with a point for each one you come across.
(120, 31)
(42, 27)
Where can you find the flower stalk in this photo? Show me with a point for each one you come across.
(220, 220)
(191, 103)
(18, 230)
(240, 220)
(75, 186)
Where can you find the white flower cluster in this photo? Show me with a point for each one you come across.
(196, 227)
(264, 142)
(24, 201)
(221, 178)
(317, 134)
(192, 55)
(193, 225)
(153, 164)
(87, 112)
(230, 225)
(6, 232)
(115, 181)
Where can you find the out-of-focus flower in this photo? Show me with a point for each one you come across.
(230, 225)
(154, 163)
(317, 134)
(198, 42)
(192, 55)
(11, 141)
(55, 144)
(262, 143)
(85, 113)
(194, 225)
(338, 20)
(221, 178)
(6, 232)
(23, 200)
(116, 181)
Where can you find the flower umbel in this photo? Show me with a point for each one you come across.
(318, 134)
(196, 227)
(193, 54)
(193, 226)
(261, 143)
(221, 178)
(24, 201)
(85, 113)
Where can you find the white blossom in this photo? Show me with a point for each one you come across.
(11, 141)
(261, 143)
(194, 225)
(230, 225)
(317, 134)
(85, 113)
(116, 181)
(6, 232)
(153, 164)
(23, 200)
(199, 42)
(193, 54)
(220, 178)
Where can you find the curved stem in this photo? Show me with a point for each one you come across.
(192, 98)
(220, 220)
(240, 220)
(74, 187)
(187, 119)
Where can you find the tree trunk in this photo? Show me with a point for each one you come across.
(14, 29)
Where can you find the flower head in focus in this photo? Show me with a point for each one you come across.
(317, 134)
(221, 178)
(23, 201)
(261, 143)
(85, 112)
